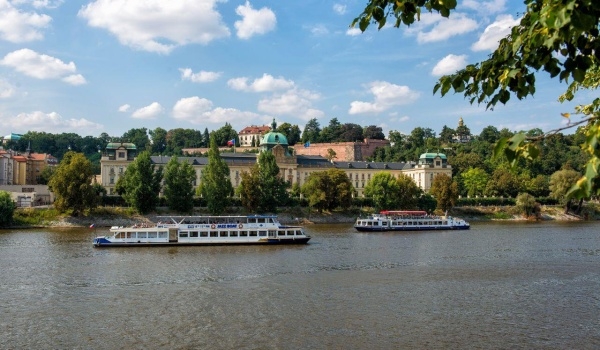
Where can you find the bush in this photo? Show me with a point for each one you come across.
(7, 209)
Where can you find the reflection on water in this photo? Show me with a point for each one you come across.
(508, 285)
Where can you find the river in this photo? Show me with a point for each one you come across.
(497, 286)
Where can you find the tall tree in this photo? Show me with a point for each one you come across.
(408, 192)
(560, 183)
(489, 134)
(179, 188)
(249, 189)
(445, 191)
(351, 133)
(291, 132)
(141, 183)
(159, 140)
(312, 131)
(224, 134)
(446, 134)
(139, 137)
(475, 180)
(72, 184)
(373, 132)
(558, 37)
(328, 189)
(332, 132)
(215, 186)
(272, 187)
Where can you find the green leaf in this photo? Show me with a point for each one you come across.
(499, 147)
(578, 75)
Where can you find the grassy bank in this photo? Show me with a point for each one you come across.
(123, 216)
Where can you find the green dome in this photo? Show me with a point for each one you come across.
(274, 138)
(432, 155)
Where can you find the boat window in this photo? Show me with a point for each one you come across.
(183, 234)
(384, 223)
(130, 235)
(203, 234)
(233, 234)
(223, 234)
(214, 234)
(152, 234)
(261, 220)
(281, 233)
(243, 233)
(162, 234)
(252, 233)
(118, 235)
(262, 233)
(194, 234)
(142, 234)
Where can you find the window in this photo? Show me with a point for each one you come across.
(183, 234)
(243, 233)
(194, 234)
(121, 154)
(252, 233)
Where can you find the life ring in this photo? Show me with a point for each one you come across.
(241, 226)
(212, 226)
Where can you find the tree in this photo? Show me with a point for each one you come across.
(408, 192)
(45, 175)
(215, 186)
(327, 190)
(445, 191)
(384, 189)
(7, 209)
(475, 180)
(560, 184)
(374, 132)
(489, 134)
(139, 137)
(312, 131)
(504, 182)
(558, 37)
(526, 204)
(159, 140)
(141, 183)
(249, 190)
(224, 134)
(331, 155)
(291, 132)
(332, 132)
(72, 184)
(447, 134)
(179, 188)
(426, 202)
(272, 187)
(351, 133)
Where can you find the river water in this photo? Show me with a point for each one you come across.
(497, 286)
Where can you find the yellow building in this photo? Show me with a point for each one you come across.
(292, 167)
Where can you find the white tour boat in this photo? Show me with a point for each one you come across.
(408, 220)
(205, 230)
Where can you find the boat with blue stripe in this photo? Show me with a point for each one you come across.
(205, 230)
(408, 220)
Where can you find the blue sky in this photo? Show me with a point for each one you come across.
(111, 65)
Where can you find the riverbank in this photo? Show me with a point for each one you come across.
(109, 216)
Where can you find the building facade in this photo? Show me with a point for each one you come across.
(344, 151)
(252, 133)
(293, 167)
(23, 168)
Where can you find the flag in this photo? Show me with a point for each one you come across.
(307, 144)
(92, 225)
(231, 142)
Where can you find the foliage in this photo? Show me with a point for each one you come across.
(7, 209)
(72, 184)
(504, 183)
(159, 140)
(224, 134)
(291, 132)
(426, 202)
(409, 192)
(445, 191)
(141, 183)
(327, 190)
(248, 190)
(139, 137)
(560, 184)
(558, 37)
(475, 180)
(272, 187)
(312, 131)
(373, 132)
(526, 204)
(383, 188)
(215, 186)
(45, 175)
(179, 188)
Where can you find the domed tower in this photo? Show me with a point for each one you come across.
(272, 139)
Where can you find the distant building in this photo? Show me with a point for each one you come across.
(463, 134)
(293, 167)
(11, 137)
(23, 168)
(344, 151)
(250, 133)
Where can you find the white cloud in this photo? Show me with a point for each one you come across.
(7, 90)
(449, 65)
(264, 84)
(17, 26)
(386, 95)
(124, 108)
(200, 77)
(485, 7)
(41, 66)
(39, 3)
(294, 102)
(75, 79)
(339, 9)
(254, 21)
(198, 110)
(433, 27)
(157, 25)
(52, 122)
(493, 33)
(149, 112)
(353, 31)
(319, 30)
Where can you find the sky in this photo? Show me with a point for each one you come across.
(90, 67)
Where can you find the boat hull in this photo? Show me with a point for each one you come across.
(416, 228)
(275, 241)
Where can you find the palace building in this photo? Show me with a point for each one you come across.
(294, 168)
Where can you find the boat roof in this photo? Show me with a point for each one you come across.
(216, 216)
(403, 212)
